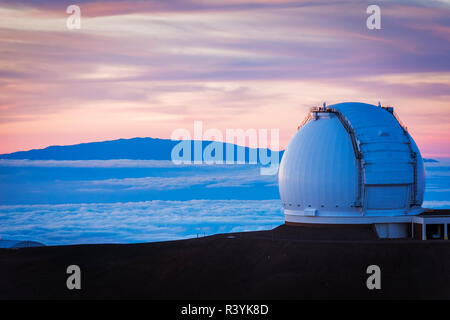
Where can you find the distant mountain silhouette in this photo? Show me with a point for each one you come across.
(135, 149)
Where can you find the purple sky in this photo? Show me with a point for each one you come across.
(146, 68)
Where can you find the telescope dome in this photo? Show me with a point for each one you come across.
(351, 163)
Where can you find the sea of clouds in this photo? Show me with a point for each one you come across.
(136, 221)
(126, 201)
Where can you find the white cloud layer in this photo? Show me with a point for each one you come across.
(436, 204)
(135, 221)
(212, 180)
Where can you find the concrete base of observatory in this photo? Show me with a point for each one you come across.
(392, 230)
(429, 224)
(383, 230)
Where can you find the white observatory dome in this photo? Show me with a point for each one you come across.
(351, 163)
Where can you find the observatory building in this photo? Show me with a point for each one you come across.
(355, 163)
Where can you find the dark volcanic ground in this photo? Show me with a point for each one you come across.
(285, 263)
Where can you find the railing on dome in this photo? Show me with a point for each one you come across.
(391, 111)
(345, 123)
(348, 127)
(400, 121)
(358, 153)
(413, 154)
(307, 118)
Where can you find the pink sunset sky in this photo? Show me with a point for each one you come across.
(146, 68)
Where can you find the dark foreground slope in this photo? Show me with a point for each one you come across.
(288, 262)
